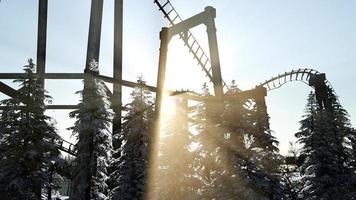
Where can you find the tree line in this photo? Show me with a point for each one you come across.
(211, 150)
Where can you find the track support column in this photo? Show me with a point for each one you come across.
(161, 69)
(214, 52)
(116, 100)
(152, 144)
(41, 59)
(41, 41)
(262, 116)
(93, 49)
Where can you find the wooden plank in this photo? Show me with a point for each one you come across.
(9, 91)
(55, 107)
(42, 40)
(46, 75)
(62, 76)
(93, 48)
(62, 107)
(116, 99)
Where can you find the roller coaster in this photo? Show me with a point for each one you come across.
(210, 65)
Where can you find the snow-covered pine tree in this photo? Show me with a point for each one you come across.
(205, 161)
(342, 125)
(26, 141)
(236, 125)
(265, 159)
(352, 158)
(247, 156)
(94, 141)
(175, 173)
(324, 172)
(130, 176)
(213, 155)
(352, 149)
(263, 140)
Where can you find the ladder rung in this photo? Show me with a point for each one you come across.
(165, 4)
(197, 50)
(206, 62)
(201, 56)
(170, 12)
(175, 18)
(192, 44)
(189, 36)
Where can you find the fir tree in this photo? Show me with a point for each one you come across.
(26, 141)
(324, 172)
(130, 176)
(94, 141)
(265, 159)
(175, 174)
(206, 162)
(251, 150)
(263, 140)
(226, 162)
(352, 149)
(236, 126)
(219, 143)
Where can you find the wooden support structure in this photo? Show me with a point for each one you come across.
(74, 76)
(214, 52)
(41, 59)
(9, 91)
(161, 69)
(116, 99)
(93, 49)
(93, 53)
(262, 115)
(321, 90)
(206, 17)
(42, 40)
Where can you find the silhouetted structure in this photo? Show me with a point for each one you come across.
(209, 64)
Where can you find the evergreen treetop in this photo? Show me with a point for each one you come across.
(27, 139)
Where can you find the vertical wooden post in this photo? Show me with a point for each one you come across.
(42, 40)
(152, 147)
(161, 69)
(93, 53)
(214, 53)
(116, 100)
(262, 117)
(93, 49)
(41, 59)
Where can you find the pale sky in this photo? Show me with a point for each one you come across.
(257, 40)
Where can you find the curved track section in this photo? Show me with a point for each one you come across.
(302, 75)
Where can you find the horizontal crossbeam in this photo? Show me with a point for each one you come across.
(77, 76)
(248, 94)
(9, 91)
(191, 22)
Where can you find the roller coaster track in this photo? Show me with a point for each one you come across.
(65, 146)
(302, 75)
(171, 14)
